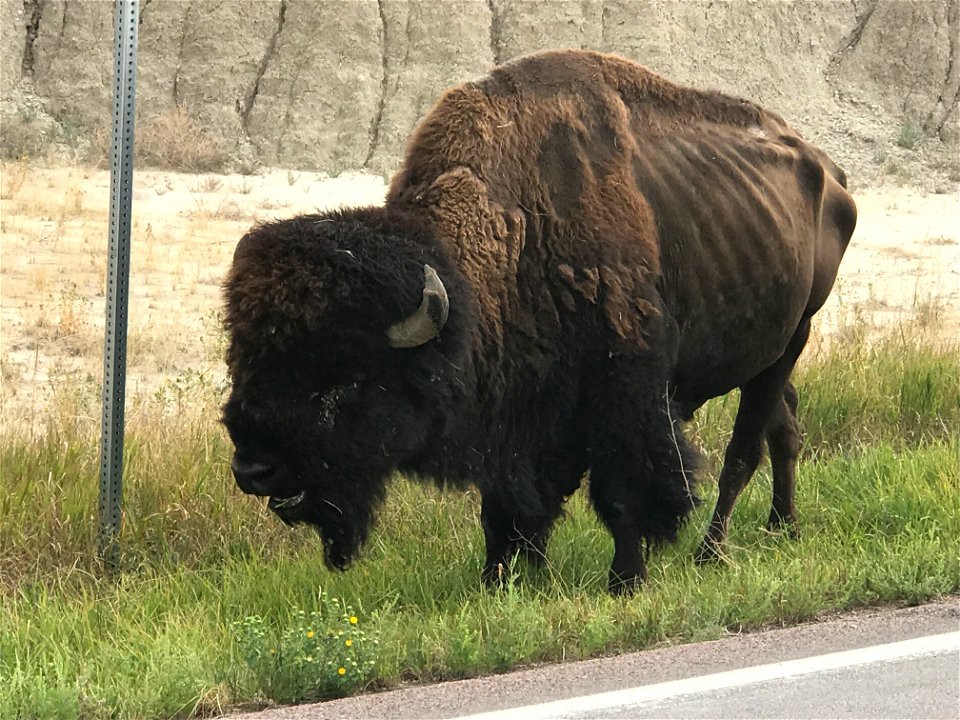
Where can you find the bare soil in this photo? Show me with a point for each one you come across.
(904, 263)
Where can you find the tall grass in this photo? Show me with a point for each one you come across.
(170, 636)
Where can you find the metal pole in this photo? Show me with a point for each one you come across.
(118, 278)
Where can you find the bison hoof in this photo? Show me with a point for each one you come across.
(708, 552)
(624, 584)
(532, 553)
(495, 576)
(786, 526)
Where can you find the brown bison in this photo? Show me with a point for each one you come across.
(575, 255)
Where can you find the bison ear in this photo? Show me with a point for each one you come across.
(428, 319)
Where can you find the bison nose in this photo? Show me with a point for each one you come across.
(252, 477)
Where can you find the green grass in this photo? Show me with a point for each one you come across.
(213, 589)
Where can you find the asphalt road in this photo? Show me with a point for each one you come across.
(877, 690)
(871, 664)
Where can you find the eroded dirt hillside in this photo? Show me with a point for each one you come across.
(338, 85)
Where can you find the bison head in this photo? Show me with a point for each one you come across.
(335, 324)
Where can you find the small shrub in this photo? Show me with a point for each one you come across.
(98, 147)
(209, 184)
(24, 133)
(323, 653)
(216, 338)
(72, 204)
(177, 141)
(189, 389)
(74, 309)
(900, 172)
(911, 133)
(230, 210)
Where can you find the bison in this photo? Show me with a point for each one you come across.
(574, 256)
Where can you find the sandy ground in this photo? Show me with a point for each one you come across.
(904, 260)
(903, 263)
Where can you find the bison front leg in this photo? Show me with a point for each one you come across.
(507, 534)
(628, 569)
(641, 477)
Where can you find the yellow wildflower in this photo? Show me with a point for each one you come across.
(342, 671)
(353, 619)
(348, 642)
(309, 633)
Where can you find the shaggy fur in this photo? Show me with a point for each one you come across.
(616, 250)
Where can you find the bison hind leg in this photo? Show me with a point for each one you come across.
(783, 441)
(767, 409)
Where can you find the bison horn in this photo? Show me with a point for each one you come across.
(428, 319)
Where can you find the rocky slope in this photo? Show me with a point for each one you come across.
(334, 85)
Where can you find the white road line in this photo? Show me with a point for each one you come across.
(929, 645)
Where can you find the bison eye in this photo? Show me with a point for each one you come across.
(328, 404)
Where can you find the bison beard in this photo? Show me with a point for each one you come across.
(575, 255)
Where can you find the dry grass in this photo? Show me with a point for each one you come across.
(221, 209)
(39, 277)
(175, 139)
(13, 177)
(54, 256)
(207, 184)
(53, 259)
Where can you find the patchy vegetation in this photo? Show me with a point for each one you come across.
(175, 140)
(911, 133)
(321, 653)
(211, 583)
